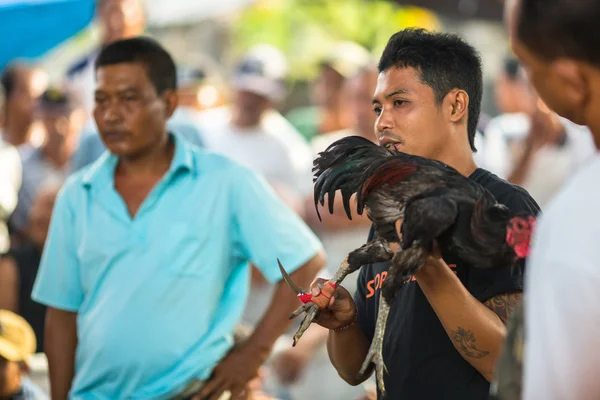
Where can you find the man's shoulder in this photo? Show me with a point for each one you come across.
(215, 164)
(516, 198)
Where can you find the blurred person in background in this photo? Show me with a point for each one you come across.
(17, 345)
(11, 175)
(62, 118)
(117, 19)
(329, 113)
(198, 88)
(145, 271)
(18, 269)
(556, 41)
(529, 145)
(22, 84)
(183, 122)
(252, 132)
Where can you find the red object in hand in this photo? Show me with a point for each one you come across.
(322, 300)
(518, 235)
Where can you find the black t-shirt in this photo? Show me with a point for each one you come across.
(421, 360)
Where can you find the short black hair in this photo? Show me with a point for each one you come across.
(444, 61)
(158, 63)
(560, 28)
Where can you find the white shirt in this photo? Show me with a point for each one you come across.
(273, 148)
(10, 183)
(562, 303)
(551, 166)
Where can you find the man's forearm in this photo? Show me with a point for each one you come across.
(523, 165)
(60, 345)
(347, 351)
(476, 331)
(276, 318)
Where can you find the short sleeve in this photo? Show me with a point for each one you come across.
(487, 283)
(267, 229)
(58, 283)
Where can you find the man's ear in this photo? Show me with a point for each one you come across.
(573, 81)
(171, 99)
(458, 104)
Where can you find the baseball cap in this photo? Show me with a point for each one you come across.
(56, 98)
(17, 339)
(347, 58)
(262, 71)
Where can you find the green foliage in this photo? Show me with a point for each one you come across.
(306, 30)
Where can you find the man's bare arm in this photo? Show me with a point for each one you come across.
(60, 344)
(475, 329)
(9, 284)
(503, 305)
(347, 351)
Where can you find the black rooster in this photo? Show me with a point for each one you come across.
(437, 205)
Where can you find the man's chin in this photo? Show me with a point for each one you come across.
(120, 150)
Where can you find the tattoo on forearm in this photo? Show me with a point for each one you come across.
(465, 343)
(503, 305)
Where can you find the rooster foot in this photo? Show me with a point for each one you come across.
(377, 250)
(312, 310)
(375, 354)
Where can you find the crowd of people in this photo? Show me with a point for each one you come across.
(140, 227)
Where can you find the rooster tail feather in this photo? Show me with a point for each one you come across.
(342, 166)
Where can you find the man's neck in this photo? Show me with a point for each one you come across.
(595, 130)
(243, 121)
(57, 155)
(460, 159)
(154, 161)
(17, 134)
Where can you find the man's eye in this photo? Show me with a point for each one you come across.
(377, 110)
(399, 102)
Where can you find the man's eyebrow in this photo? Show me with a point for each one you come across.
(392, 94)
(395, 92)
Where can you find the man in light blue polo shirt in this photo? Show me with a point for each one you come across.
(145, 270)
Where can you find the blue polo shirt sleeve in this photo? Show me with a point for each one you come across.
(58, 283)
(267, 229)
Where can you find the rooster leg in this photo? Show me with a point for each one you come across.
(312, 310)
(375, 354)
(375, 251)
(300, 310)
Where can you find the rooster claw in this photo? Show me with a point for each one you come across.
(312, 310)
(375, 356)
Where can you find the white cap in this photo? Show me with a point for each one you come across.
(262, 71)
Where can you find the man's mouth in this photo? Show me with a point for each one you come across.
(114, 136)
(391, 143)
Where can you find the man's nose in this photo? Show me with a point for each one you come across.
(384, 122)
(112, 114)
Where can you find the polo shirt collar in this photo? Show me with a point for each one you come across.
(103, 171)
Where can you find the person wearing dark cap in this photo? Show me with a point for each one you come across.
(62, 119)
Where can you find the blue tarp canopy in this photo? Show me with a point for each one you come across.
(31, 28)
